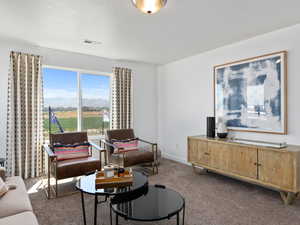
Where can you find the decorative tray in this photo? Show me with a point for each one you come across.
(126, 179)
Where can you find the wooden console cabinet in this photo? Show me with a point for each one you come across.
(278, 169)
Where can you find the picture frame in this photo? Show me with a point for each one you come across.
(250, 95)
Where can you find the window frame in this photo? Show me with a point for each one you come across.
(80, 72)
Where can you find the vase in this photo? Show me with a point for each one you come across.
(222, 131)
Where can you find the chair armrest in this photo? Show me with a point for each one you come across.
(49, 151)
(108, 143)
(147, 142)
(153, 145)
(97, 147)
(101, 150)
(111, 145)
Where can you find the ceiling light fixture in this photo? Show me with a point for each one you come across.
(149, 6)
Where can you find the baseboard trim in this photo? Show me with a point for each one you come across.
(175, 158)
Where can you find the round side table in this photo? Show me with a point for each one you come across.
(86, 185)
(153, 204)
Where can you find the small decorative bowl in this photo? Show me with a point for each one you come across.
(222, 135)
(121, 172)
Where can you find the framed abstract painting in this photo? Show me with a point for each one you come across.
(251, 94)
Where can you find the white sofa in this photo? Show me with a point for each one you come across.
(15, 206)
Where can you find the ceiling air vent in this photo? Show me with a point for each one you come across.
(91, 42)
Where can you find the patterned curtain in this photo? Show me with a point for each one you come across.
(121, 99)
(24, 116)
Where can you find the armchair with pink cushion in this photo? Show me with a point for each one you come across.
(122, 147)
(66, 159)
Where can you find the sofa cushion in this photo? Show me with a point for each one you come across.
(25, 218)
(15, 201)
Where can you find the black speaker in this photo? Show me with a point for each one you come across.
(211, 127)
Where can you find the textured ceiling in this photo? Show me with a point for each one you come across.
(183, 28)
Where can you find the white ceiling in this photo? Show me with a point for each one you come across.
(183, 28)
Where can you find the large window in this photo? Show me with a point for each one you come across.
(79, 99)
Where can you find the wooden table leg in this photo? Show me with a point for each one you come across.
(288, 197)
(199, 170)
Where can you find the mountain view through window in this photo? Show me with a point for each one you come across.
(80, 101)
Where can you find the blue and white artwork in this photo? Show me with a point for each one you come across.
(250, 94)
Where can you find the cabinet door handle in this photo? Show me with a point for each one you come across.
(206, 153)
(257, 164)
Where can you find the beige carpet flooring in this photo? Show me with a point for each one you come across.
(210, 200)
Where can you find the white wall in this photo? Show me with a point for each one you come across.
(144, 83)
(185, 90)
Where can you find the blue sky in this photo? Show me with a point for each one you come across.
(63, 84)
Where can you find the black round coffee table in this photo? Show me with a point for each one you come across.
(154, 203)
(86, 184)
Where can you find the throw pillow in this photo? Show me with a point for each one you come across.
(64, 152)
(3, 188)
(125, 145)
